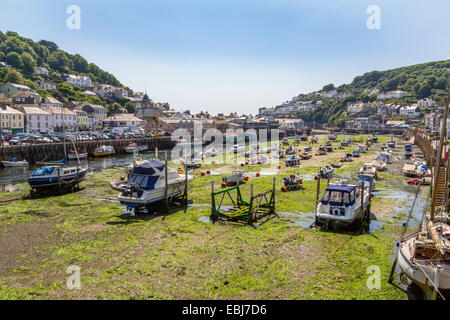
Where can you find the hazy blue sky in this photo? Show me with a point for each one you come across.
(237, 55)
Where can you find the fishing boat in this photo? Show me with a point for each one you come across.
(385, 157)
(61, 162)
(75, 156)
(305, 155)
(46, 178)
(147, 184)
(15, 163)
(343, 204)
(210, 152)
(408, 147)
(356, 153)
(290, 150)
(391, 143)
(307, 149)
(380, 165)
(259, 159)
(370, 181)
(193, 162)
(332, 137)
(134, 147)
(409, 169)
(321, 151)
(314, 139)
(237, 177)
(368, 169)
(104, 151)
(326, 171)
(347, 158)
(336, 164)
(292, 161)
(363, 148)
(292, 182)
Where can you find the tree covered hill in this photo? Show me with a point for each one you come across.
(24, 55)
(420, 81)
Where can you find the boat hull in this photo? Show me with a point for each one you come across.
(103, 154)
(15, 164)
(422, 274)
(152, 196)
(52, 181)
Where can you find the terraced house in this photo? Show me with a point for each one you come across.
(11, 120)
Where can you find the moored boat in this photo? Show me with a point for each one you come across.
(147, 184)
(15, 163)
(134, 147)
(104, 151)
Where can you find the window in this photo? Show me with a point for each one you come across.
(336, 196)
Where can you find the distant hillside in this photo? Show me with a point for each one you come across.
(420, 81)
(24, 55)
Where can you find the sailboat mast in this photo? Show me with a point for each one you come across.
(443, 139)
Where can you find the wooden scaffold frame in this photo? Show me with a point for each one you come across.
(248, 212)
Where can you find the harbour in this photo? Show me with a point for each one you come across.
(90, 227)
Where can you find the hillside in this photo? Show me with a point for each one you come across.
(24, 55)
(420, 81)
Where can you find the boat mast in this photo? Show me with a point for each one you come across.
(443, 139)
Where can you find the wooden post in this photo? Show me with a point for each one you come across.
(186, 184)
(318, 189)
(251, 204)
(362, 195)
(166, 183)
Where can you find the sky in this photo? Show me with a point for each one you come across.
(237, 55)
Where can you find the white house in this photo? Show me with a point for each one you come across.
(410, 111)
(41, 71)
(121, 122)
(355, 107)
(392, 94)
(50, 102)
(46, 85)
(79, 81)
(426, 103)
(37, 120)
(63, 118)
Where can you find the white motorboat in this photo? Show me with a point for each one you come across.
(147, 183)
(15, 163)
(74, 156)
(380, 165)
(257, 160)
(341, 204)
(134, 147)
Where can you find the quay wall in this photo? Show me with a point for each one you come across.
(55, 151)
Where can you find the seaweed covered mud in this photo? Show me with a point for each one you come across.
(45, 242)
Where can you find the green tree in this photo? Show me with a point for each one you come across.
(2, 37)
(13, 59)
(13, 76)
(59, 61)
(80, 64)
(28, 64)
(51, 46)
(328, 87)
(2, 56)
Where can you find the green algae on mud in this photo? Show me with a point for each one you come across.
(178, 256)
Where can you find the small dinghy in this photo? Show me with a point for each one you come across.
(237, 177)
(292, 161)
(292, 182)
(257, 160)
(15, 163)
(326, 171)
(104, 151)
(290, 150)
